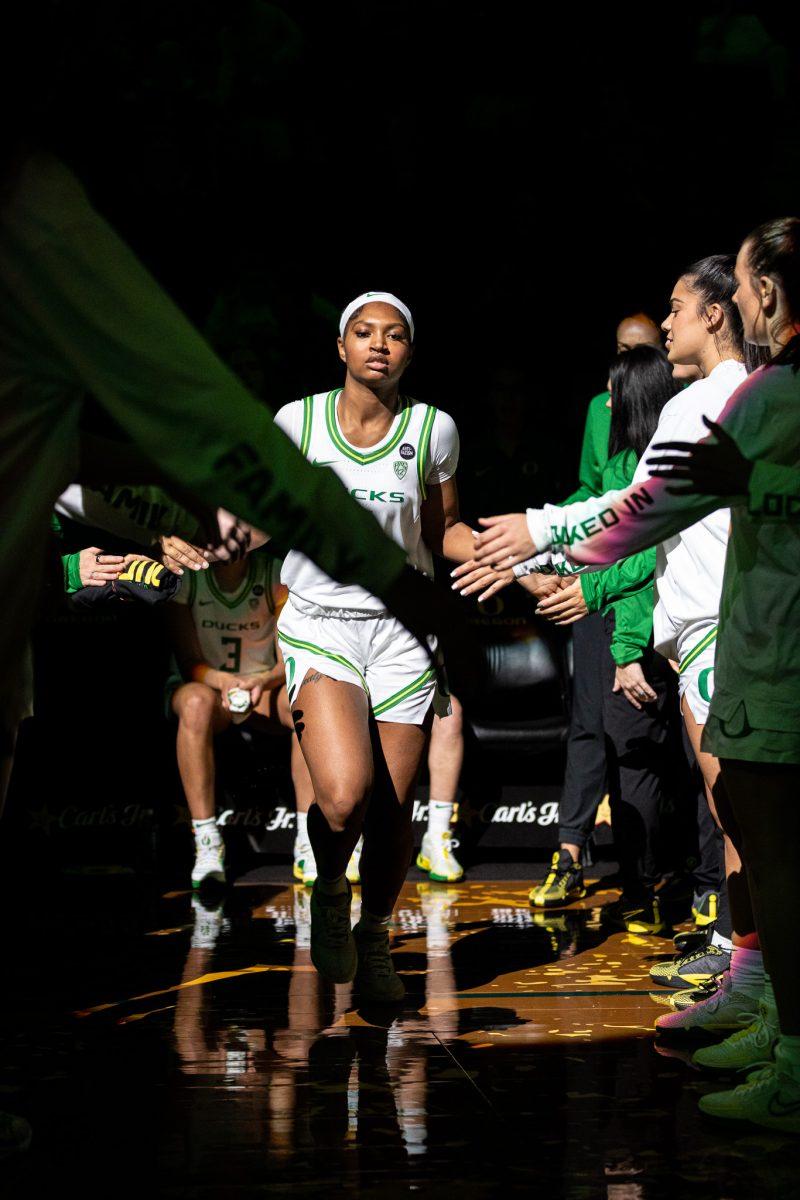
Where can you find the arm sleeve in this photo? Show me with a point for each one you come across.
(605, 528)
(444, 449)
(72, 571)
(770, 479)
(633, 626)
(110, 329)
(624, 578)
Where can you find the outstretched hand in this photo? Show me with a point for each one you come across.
(506, 541)
(712, 468)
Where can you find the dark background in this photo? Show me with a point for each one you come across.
(521, 178)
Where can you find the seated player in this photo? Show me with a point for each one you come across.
(223, 632)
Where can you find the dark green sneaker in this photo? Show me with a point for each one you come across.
(377, 982)
(333, 948)
(563, 884)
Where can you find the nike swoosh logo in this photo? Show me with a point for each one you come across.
(206, 601)
(328, 463)
(779, 1108)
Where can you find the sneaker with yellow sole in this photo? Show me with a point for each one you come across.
(563, 883)
(437, 858)
(693, 969)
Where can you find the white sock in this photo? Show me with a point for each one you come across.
(747, 971)
(440, 814)
(719, 939)
(302, 827)
(207, 826)
(369, 923)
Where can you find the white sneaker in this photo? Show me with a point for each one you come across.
(726, 1010)
(437, 858)
(209, 859)
(354, 866)
(745, 1049)
(770, 1097)
(305, 865)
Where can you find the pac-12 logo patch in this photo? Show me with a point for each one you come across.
(400, 468)
(407, 450)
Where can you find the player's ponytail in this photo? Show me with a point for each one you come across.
(641, 383)
(773, 249)
(713, 280)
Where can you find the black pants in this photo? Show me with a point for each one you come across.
(646, 767)
(585, 774)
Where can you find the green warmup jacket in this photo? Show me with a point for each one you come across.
(627, 587)
(594, 451)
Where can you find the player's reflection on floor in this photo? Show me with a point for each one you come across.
(335, 1076)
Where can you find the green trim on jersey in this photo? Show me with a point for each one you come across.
(422, 449)
(409, 690)
(370, 456)
(308, 417)
(697, 650)
(232, 601)
(337, 658)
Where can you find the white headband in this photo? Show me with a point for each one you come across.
(376, 298)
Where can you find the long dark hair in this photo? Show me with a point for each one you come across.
(641, 383)
(713, 280)
(774, 249)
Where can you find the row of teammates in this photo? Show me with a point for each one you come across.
(352, 658)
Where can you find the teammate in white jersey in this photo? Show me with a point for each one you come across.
(703, 330)
(361, 687)
(223, 631)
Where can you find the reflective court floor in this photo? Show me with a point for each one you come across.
(160, 1046)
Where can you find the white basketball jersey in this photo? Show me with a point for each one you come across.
(389, 479)
(236, 630)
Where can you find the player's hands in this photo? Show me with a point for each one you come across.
(229, 538)
(176, 553)
(97, 569)
(631, 682)
(505, 541)
(471, 577)
(565, 606)
(713, 468)
(540, 584)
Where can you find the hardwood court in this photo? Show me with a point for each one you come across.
(200, 1055)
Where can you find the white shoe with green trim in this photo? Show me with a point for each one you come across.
(209, 859)
(304, 868)
(437, 858)
(354, 866)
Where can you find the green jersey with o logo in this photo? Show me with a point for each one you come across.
(390, 479)
(236, 630)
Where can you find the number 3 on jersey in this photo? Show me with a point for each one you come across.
(234, 660)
